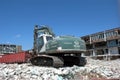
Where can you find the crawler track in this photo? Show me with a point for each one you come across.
(46, 60)
(58, 61)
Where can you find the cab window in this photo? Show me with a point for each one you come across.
(49, 38)
(40, 43)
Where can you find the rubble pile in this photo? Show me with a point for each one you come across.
(27, 71)
(94, 68)
(100, 69)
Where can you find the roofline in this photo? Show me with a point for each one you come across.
(117, 28)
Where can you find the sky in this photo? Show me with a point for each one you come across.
(65, 17)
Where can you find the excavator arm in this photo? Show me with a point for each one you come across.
(43, 30)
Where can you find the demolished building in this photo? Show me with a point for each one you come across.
(10, 48)
(103, 45)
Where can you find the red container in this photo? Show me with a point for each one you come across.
(20, 57)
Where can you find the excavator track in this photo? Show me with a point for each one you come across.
(46, 60)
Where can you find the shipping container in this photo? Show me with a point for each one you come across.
(20, 57)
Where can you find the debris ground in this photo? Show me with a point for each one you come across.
(94, 70)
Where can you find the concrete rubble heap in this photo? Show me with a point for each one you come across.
(94, 68)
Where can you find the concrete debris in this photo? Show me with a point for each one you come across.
(93, 69)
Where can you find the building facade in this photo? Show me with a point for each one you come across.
(103, 45)
(10, 48)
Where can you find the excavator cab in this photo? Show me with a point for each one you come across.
(41, 42)
(42, 35)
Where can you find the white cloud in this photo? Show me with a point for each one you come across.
(18, 36)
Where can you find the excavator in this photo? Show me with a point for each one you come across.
(59, 51)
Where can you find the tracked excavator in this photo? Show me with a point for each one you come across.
(56, 51)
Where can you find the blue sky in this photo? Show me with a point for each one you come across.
(65, 17)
